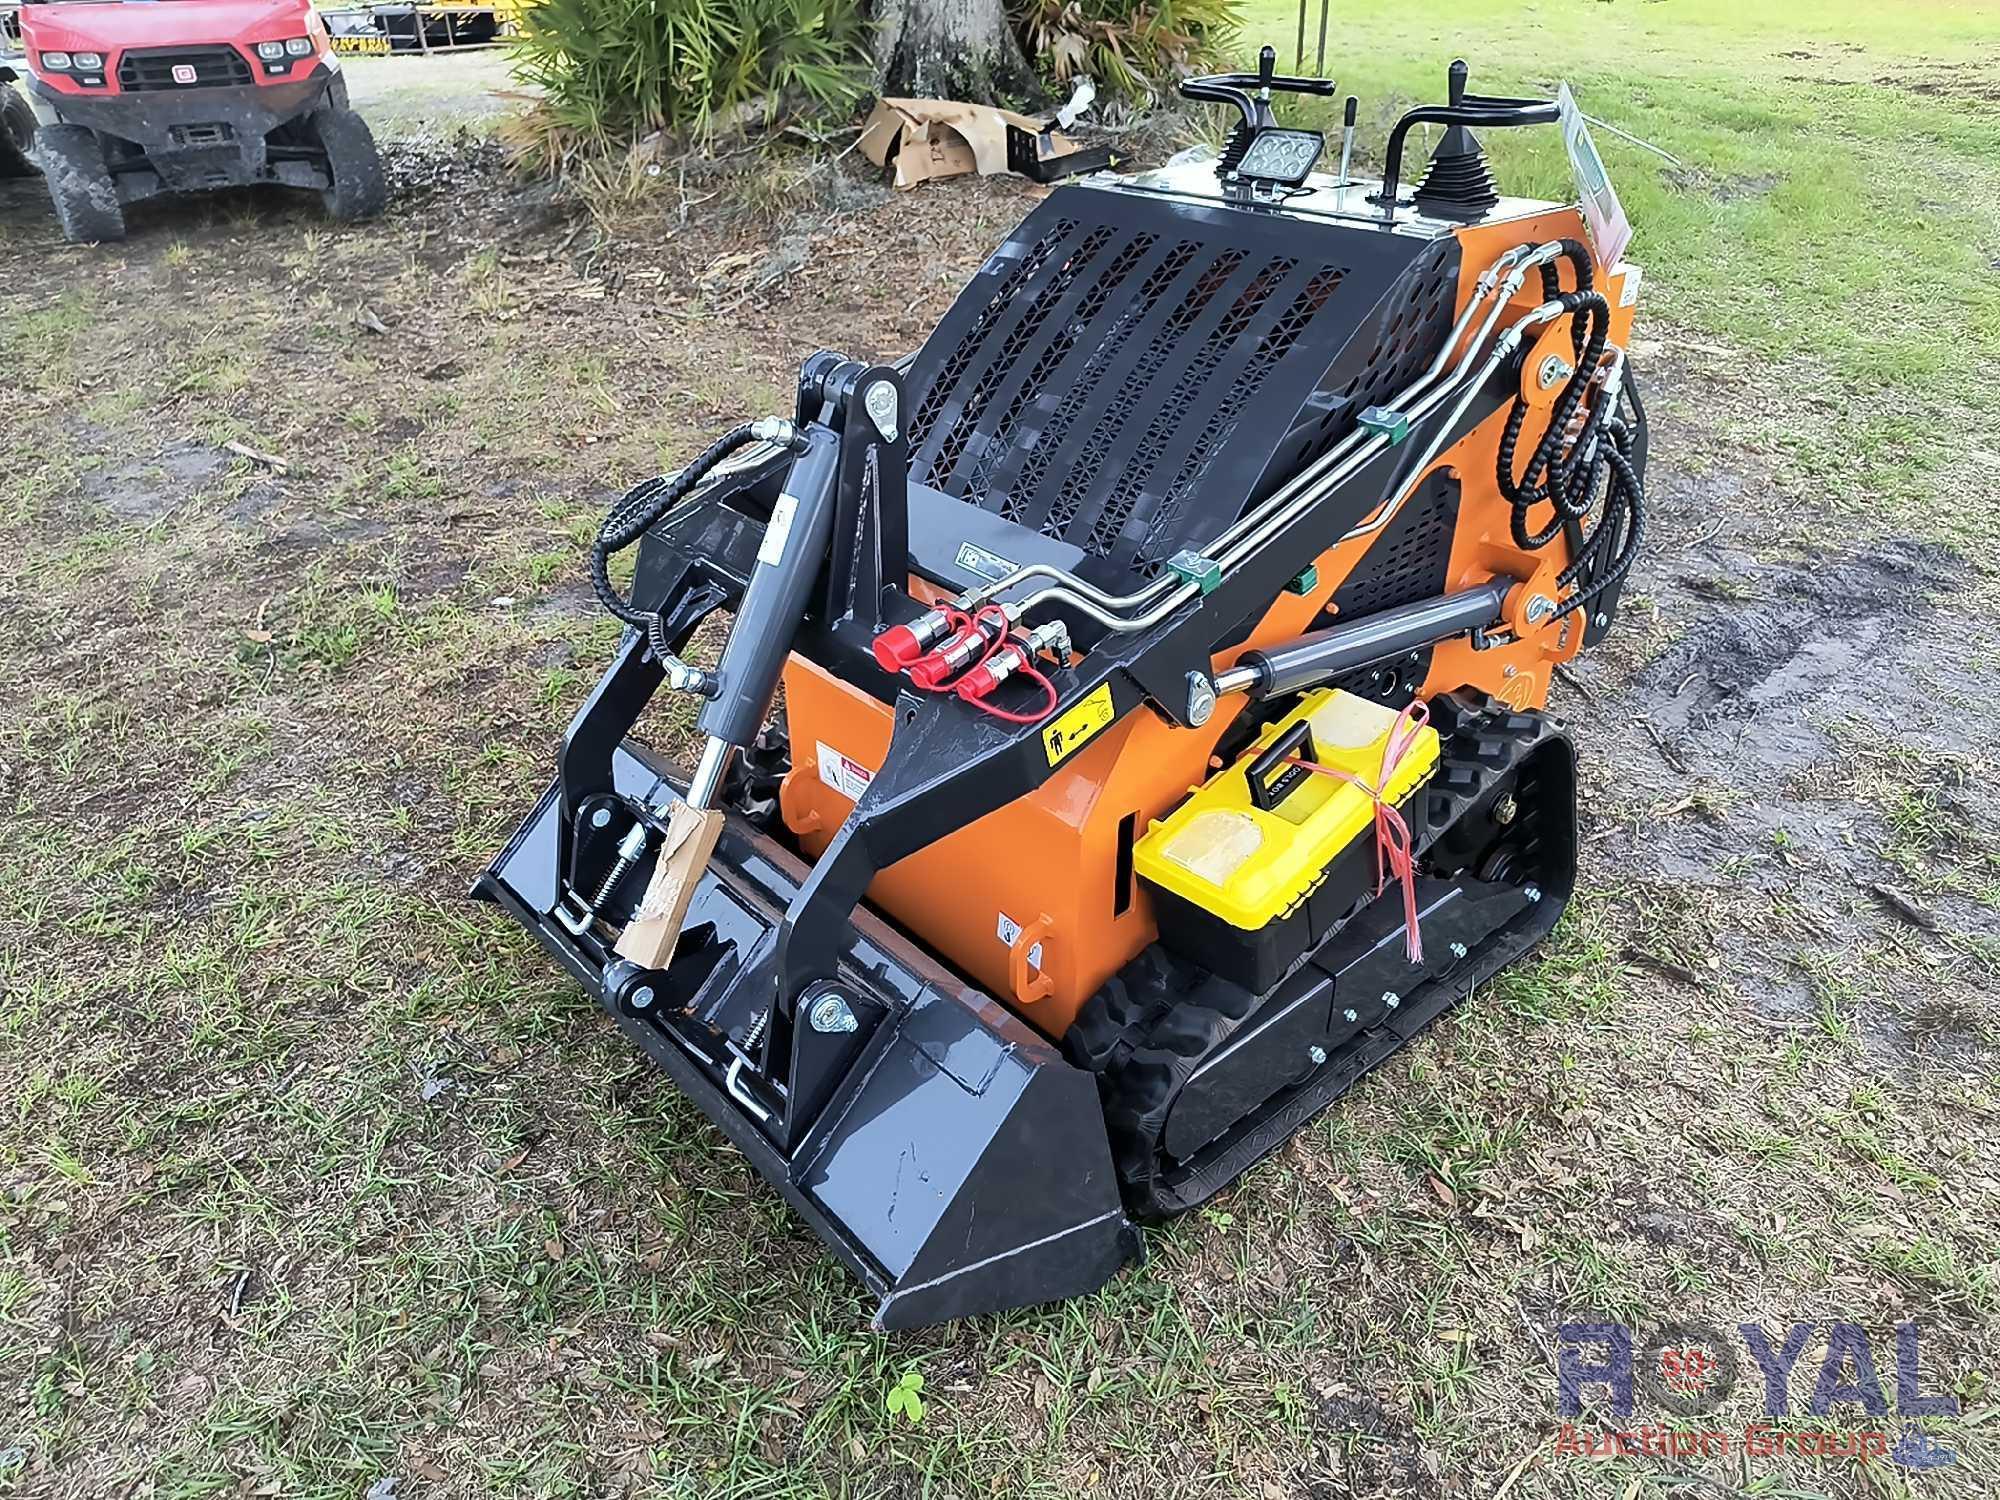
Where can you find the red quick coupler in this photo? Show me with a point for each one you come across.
(990, 673)
(950, 658)
(899, 645)
(1010, 658)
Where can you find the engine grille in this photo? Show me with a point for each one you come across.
(148, 68)
(1408, 561)
(1125, 374)
(1414, 322)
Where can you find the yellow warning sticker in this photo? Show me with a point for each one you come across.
(1068, 733)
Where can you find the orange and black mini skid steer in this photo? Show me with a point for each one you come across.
(1163, 651)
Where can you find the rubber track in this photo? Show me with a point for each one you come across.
(1150, 1027)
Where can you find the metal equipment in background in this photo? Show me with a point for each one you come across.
(418, 27)
(1319, 57)
(1163, 651)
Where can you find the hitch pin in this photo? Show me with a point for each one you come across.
(577, 916)
(740, 1059)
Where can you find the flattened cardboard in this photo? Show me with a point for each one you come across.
(648, 939)
(929, 138)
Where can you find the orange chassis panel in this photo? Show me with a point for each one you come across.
(1048, 865)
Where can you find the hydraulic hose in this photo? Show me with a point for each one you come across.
(643, 505)
(1566, 483)
(1598, 566)
(1578, 255)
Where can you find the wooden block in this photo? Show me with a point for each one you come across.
(648, 939)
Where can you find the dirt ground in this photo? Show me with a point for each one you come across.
(315, 1179)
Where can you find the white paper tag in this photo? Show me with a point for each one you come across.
(1010, 934)
(846, 776)
(779, 530)
(1603, 215)
(1628, 283)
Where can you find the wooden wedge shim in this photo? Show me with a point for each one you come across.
(648, 939)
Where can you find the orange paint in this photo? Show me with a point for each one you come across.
(1046, 868)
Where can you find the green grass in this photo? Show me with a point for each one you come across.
(1828, 207)
(313, 1173)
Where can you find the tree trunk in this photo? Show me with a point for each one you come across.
(949, 49)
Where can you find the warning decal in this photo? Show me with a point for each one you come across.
(845, 775)
(1069, 733)
(1009, 932)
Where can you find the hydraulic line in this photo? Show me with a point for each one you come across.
(1271, 522)
(1576, 459)
(642, 506)
(1431, 398)
(1517, 261)
(1623, 518)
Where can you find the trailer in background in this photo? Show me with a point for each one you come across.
(411, 27)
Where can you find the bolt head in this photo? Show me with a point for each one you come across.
(1540, 607)
(1458, 950)
(1200, 699)
(599, 818)
(1390, 999)
(1506, 809)
(1317, 1053)
(643, 997)
(1533, 893)
(1553, 369)
(831, 1015)
(1350, 1016)
(880, 400)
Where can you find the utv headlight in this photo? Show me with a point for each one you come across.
(86, 62)
(299, 46)
(270, 51)
(56, 62)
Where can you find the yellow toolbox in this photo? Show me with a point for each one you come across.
(1267, 858)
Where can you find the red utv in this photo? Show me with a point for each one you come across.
(166, 96)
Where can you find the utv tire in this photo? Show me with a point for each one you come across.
(17, 133)
(359, 189)
(85, 197)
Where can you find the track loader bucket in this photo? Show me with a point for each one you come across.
(949, 1155)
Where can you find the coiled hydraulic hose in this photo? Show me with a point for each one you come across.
(644, 504)
(1565, 481)
(1566, 473)
(1578, 255)
(1599, 561)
